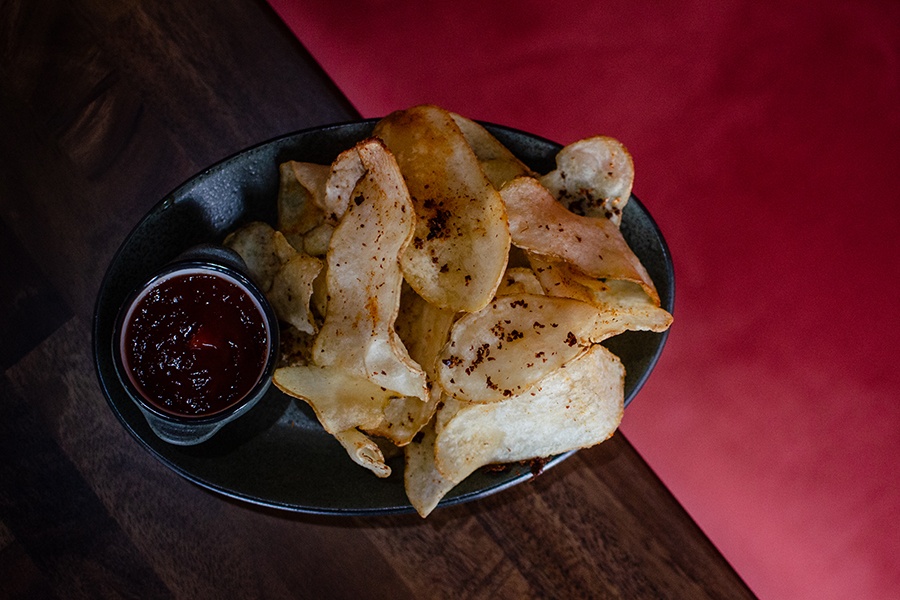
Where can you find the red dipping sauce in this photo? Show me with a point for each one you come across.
(195, 343)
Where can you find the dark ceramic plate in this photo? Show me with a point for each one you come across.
(277, 455)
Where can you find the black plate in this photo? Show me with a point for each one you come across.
(277, 455)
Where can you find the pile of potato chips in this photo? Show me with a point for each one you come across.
(439, 297)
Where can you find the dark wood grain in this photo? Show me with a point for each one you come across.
(104, 108)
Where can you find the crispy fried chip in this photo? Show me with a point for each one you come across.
(573, 407)
(593, 177)
(292, 289)
(461, 243)
(346, 171)
(424, 484)
(625, 304)
(423, 328)
(364, 451)
(499, 164)
(255, 243)
(540, 224)
(285, 275)
(519, 280)
(512, 343)
(340, 400)
(364, 281)
(301, 186)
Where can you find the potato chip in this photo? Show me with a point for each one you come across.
(364, 281)
(499, 164)
(292, 288)
(625, 304)
(300, 186)
(255, 243)
(423, 328)
(346, 171)
(593, 178)
(508, 346)
(573, 407)
(519, 280)
(316, 240)
(424, 484)
(364, 451)
(540, 224)
(461, 243)
(340, 399)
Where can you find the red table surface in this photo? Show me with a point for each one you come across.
(766, 138)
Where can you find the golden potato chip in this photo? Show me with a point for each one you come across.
(402, 418)
(345, 172)
(461, 243)
(255, 243)
(300, 187)
(423, 328)
(340, 399)
(424, 484)
(363, 281)
(316, 240)
(292, 288)
(364, 451)
(508, 346)
(593, 178)
(625, 304)
(499, 164)
(519, 280)
(573, 407)
(540, 224)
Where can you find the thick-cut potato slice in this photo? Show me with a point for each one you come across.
(624, 302)
(461, 243)
(540, 224)
(424, 484)
(363, 281)
(364, 451)
(340, 400)
(593, 177)
(255, 243)
(292, 289)
(519, 280)
(282, 273)
(499, 164)
(346, 171)
(301, 186)
(573, 407)
(511, 344)
(423, 328)
(316, 240)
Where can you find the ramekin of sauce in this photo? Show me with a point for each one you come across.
(196, 345)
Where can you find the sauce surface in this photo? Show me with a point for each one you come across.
(195, 344)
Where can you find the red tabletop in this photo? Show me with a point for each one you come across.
(766, 138)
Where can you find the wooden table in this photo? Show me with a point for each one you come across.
(104, 108)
